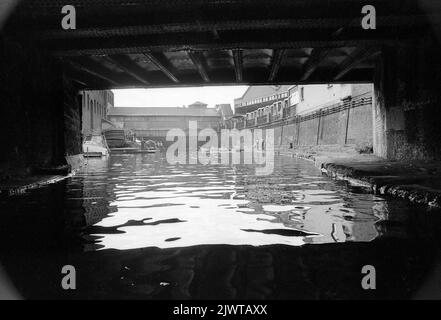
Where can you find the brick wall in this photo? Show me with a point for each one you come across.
(408, 102)
(95, 104)
(39, 120)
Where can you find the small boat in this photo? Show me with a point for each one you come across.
(95, 145)
(149, 146)
(116, 138)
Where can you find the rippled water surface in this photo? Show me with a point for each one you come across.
(136, 227)
(135, 202)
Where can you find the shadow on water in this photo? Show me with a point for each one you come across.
(135, 227)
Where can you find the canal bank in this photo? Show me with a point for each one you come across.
(40, 177)
(417, 181)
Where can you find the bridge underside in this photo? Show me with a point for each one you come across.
(156, 43)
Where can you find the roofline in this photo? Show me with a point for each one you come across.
(248, 89)
(162, 115)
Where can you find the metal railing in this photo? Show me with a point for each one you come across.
(262, 119)
(290, 116)
(240, 125)
(354, 102)
(250, 123)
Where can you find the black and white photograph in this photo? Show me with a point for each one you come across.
(220, 156)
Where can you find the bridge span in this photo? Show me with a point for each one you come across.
(152, 43)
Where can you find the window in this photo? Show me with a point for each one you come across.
(302, 93)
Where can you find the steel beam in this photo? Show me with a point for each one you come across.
(161, 64)
(198, 61)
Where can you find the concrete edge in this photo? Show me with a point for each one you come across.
(17, 190)
(75, 162)
(413, 193)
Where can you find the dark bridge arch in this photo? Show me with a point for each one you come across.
(156, 43)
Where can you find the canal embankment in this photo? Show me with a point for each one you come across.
(418, 181)
(13, 184)
(19, 185)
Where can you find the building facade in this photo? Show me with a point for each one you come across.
(265, 104)
(154, 123)
(95, 107)
(260, 96)
(309, 98)
(309, 114)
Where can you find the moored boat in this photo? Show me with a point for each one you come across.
(149, 146)
(95, 145)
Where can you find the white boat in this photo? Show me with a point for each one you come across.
(95, 145)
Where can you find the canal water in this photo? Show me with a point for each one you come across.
(134, 226)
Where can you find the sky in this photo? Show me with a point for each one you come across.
(176, 97)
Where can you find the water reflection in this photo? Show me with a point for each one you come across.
(136, 201)
(135, 227)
